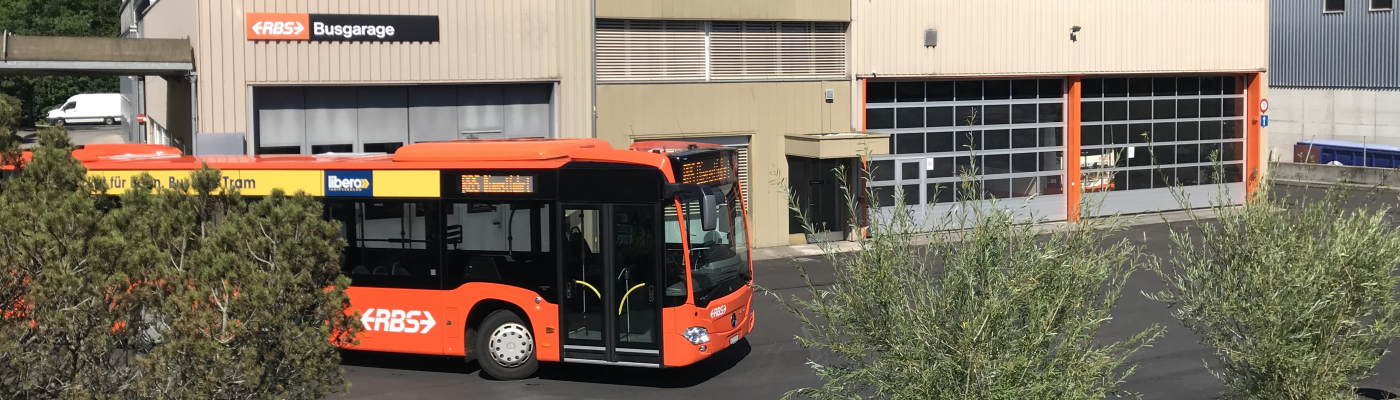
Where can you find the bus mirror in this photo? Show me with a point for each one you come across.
(709, 200)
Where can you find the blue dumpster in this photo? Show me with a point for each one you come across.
(1325, 151)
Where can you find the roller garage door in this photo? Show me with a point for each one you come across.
(1011, 129)
(352, 119)
(1143, 136)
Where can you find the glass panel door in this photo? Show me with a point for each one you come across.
(634, 282)
(584, 306)
(611, 259)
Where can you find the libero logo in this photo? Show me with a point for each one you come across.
(343, 27)
(349, 183)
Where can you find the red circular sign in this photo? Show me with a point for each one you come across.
(1264, 105)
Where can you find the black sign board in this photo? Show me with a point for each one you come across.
(373, 28)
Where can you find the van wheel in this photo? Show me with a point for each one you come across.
(60, 121)
(109, 121)
(505, 348)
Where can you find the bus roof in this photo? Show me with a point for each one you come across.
(454, 154)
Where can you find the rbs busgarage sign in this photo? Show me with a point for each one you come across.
(342, 27)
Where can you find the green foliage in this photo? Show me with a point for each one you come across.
(994, 309)
(1297, 297)
(175, 292)
(87, 18)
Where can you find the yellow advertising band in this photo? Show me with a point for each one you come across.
(261, 182)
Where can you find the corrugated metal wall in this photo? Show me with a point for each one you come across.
(1357, 48)
(1024, 37)
(751, 10)
(481, 41)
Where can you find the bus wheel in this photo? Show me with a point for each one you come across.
(505, 348)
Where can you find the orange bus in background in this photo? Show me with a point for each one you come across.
(512, 252)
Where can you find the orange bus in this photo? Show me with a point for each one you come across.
(513, 252)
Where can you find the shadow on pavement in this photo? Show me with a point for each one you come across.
(1376, 394)
(413, 362)
(670, 378)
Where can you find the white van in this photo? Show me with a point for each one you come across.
(89, 108)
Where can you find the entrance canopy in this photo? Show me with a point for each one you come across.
(91, 56)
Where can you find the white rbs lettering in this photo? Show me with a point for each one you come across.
(398, 321)
(351, 31)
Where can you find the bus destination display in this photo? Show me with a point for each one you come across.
(497, 184)
(705, 172)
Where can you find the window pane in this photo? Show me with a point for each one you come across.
(332, 148)
(1188, 108)
(1230, 85)
(909, 143)
(882, 170)
(1120, 180)
(1051, 137)
(939, 116)
(1188, 131)
(884, 195)
(907, 92)
(997, 115)
(1140, 110)
(910, 118)
(1023, 113)
(1211, 85)
(1233, 173)
(969, 90)
(1164, 109)
(1139, 179)
(1052, 88)
(1210, 108)
(389, 148)
(1139, 133)
(1091, 135)
(880, 92)
(998, 188)
(968, 115)
(1210, 150)
(1210, 130)
(941, 192)
(1024, 187)
(997, 89)
(1231, 130)
(962, 165)
(939, 91)
(1115, 134)
(1023, 138)
(1115, 111)
(1115, 87)
(942, 168)
(879, 118)
(939, 142)
(1024, 88)
(911, 170)
(997, 164)
(1052, 112)
(1164, 87)
(969, 141)
(1164, 155)
(1091, 111)
(1164, 132)
(1164, 178)
(1092, 88)
(1188, 86)
(1188, 176)
(1140, 87)
(1051, 184)
(1209, 175)
(1138, 156)
(997, 139)
(1188, 154)
(1023, 162)
(280, 150)
(1231, 151)
(1051, 161)
(1232, 108)
(911, 194)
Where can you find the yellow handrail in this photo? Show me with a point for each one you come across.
(595, 290)
(624, 297)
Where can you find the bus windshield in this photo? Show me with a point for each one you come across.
(719, 258)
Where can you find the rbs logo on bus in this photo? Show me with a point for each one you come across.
(349, 183)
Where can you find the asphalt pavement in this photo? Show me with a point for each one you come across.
(768, 362)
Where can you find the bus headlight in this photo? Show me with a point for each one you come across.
(696, 335)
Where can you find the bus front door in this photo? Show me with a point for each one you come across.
(610, 300)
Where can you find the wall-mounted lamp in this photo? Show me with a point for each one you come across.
(1072, 34)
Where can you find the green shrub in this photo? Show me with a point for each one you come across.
(1297, 297)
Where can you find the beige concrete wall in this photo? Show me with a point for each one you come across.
(482, 41)
(751, 10)
(168, 20)
(1357, 115)
(764, 111)
(1016, 37)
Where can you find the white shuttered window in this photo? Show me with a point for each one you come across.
(643, 50)
(647, 50)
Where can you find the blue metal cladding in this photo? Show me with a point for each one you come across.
(1325, 151)
(1357, 48)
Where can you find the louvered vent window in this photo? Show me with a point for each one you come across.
(645, 50)
(638, 50)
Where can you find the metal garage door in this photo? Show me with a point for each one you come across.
(1144, 136)
(1012, 129)
(345, 119)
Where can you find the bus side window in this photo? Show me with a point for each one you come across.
(499, 242)
(389, 245)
